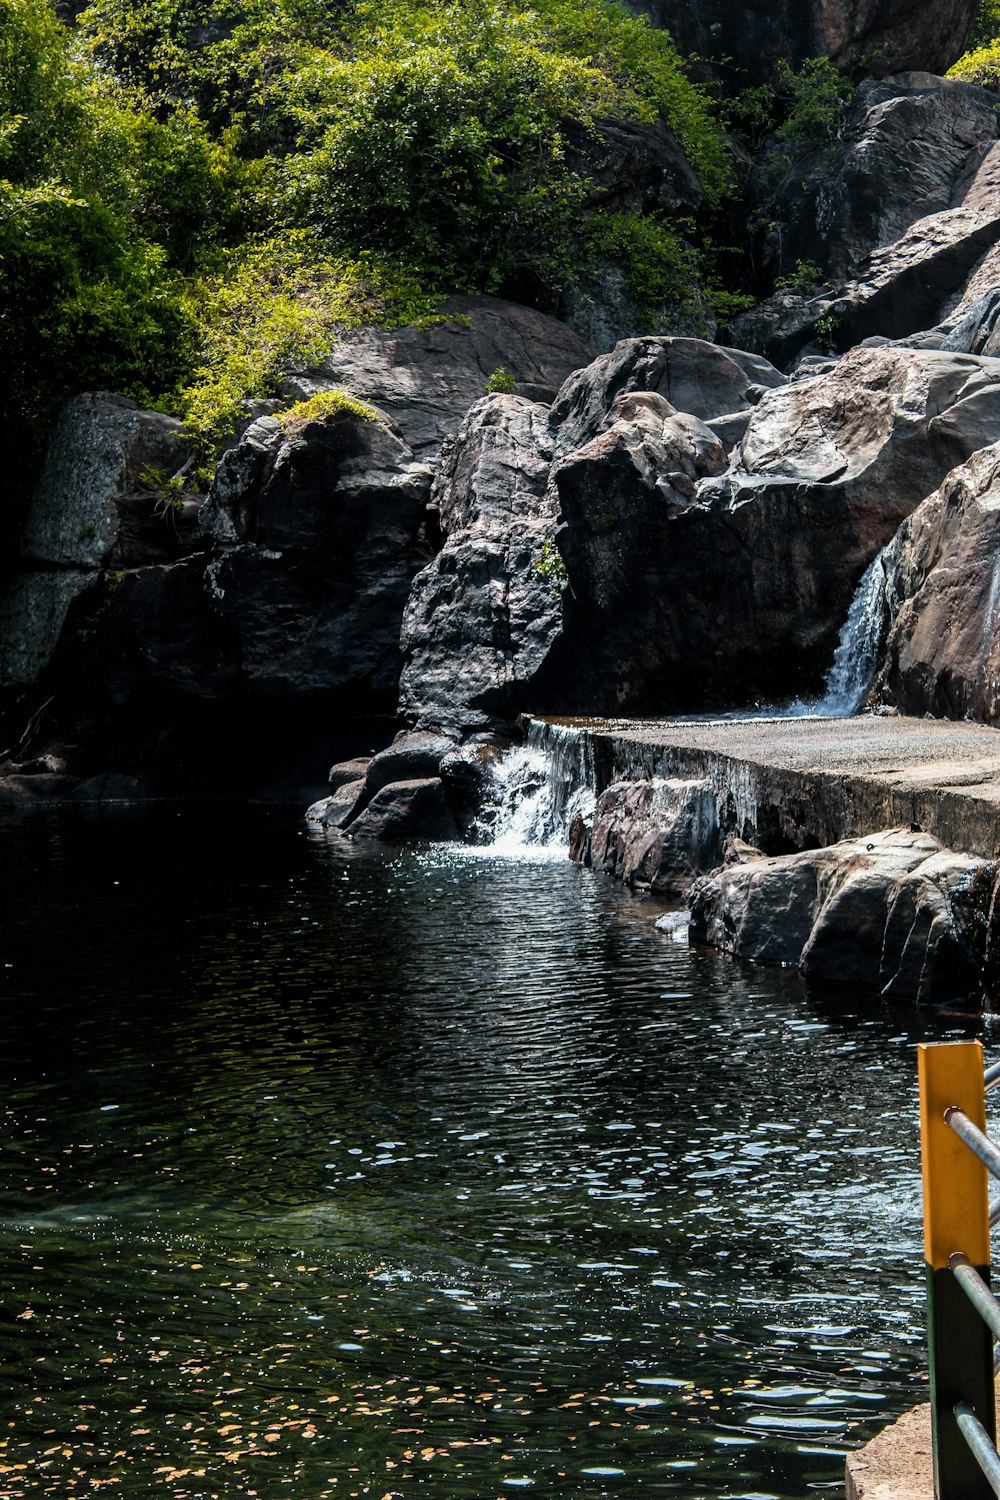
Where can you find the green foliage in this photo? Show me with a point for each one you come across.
(987, 27)
(325, 404)
(814, 97)
(550, 567)
(750, 113)
(195, 194)
(980, 66)
(277, 306)
(805, 278)
(500, 381)
(661, 267)
(826, 329)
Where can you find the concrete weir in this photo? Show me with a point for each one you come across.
(799, 783)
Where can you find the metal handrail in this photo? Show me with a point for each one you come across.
(963, 1314)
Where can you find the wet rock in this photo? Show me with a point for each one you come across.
(891, 911)
(410, 757)
(675, 926)
(942, 653)
(346, 771)
(406, 810)
(655, 834)
(893, 34)
(338, 810)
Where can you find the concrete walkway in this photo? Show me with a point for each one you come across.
(821, 780)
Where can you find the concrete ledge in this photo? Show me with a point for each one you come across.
(804, 783)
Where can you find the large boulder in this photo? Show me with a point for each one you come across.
(425, 376)
(888, 34)
(904, 149)
(942, 653)
(655, 834)
(482, 615)
(891, 911)
(102, 498)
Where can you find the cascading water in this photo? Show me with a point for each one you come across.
(536, 792)
(855, 660)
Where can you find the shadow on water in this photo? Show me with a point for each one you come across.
(331, 1171)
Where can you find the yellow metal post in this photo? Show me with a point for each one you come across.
(956, 1219)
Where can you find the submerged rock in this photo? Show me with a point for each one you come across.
(891, 911)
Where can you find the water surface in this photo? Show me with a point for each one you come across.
(336, 1172)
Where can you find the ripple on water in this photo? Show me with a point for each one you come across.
(385, 1169)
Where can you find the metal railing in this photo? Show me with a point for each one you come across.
(963, 1315)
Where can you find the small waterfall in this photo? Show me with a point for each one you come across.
(855, 660)
(537, 790)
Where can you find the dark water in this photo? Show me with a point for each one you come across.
(331, 1173)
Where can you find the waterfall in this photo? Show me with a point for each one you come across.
(855, 660)
(536, 791)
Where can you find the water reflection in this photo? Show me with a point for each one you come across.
(338, 1172)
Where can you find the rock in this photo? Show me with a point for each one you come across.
(602, 562)
(905, 149)
(656, 834)
(467, 774)
(425, 377)
(942, 653)
(891, 911)
(634, 168)
(100, 448)
(338, 810)
(482, 615)
(348, 770)
(317, 534)
(82, 518)
(406, 810)
(675, 926)
(694, 376)
(411, 757)
(889, 34)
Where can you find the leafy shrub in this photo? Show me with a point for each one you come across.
(499, 382)
(804, 279)
(987, 24)
(814, 97)
(325, 404)
(981, 66)
(279, 305)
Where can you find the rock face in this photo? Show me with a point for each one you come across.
(905, 149)
(655, 834)
(892, 911)
(97, 503)
(942, 654)
(288, 584)
(603, 558)
(900, 213)
(893, 34)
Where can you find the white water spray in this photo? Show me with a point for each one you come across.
(536, 793)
